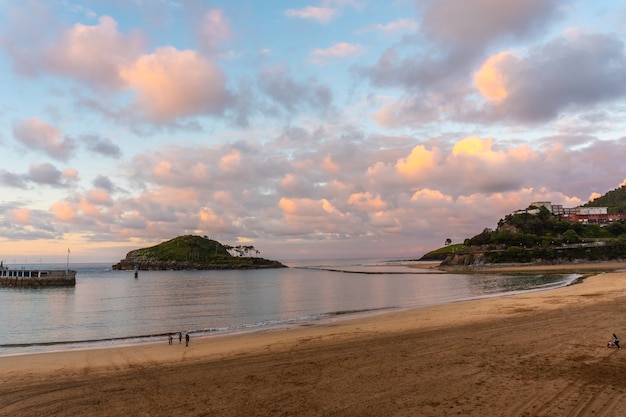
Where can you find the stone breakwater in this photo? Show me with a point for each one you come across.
(37, 278)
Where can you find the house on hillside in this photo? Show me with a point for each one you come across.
(587, 215)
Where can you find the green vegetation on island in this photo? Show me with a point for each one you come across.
(193, 252)
(539, 236)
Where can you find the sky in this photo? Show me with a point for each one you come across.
(307, 129)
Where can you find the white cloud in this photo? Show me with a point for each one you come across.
(399, 25)
(318, 14)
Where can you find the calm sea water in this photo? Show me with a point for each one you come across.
(112, 307)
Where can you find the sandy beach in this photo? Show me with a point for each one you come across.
(536, 354)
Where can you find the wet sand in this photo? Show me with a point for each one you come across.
(537, 354)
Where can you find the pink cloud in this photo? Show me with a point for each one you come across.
(471, 165)
(367, 202)
(230, 162)
(336, 51)
(490, 80)
(99, 196)
(329, 165)
(70, 174)
(435, 197)
(171, 84)
(305, 206)
(20, 216)
(419, 162)
(64, 211)
(38, 135)
(213, 30)
(94, 53)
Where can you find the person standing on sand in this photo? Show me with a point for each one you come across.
(180, 337)
(170, 338)
(616, 341)
(187, 339)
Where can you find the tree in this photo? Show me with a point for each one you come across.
(570, 236)
(448, 241)
(617, 228)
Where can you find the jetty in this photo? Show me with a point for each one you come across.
(23, 277)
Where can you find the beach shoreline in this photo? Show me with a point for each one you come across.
(541, 352)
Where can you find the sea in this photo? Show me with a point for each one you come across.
(112, 308)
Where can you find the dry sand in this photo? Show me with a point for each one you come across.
(537, 354)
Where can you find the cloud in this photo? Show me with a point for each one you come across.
(46, 174)
(293, 95)
(454, 36)
(315, 219)
(419, 161)
(11, 179)
(399, 25)
(365, 201)
(535, 87)
(337, 51)
(21, 216)
(38, 135)
(489, 80)
(524, 87)
(22, 223)
(104, 183)
(64, 211)
(90, 54)
(171, 84)
(26, 28)
(99, 197)
(93, 53)
(413, 111)
(101, 146)
(471, 166)
(345, 188)
(477, 23)
(213, 30)
(40, 174)
(321, 15)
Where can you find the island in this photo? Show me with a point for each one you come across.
(193, 253)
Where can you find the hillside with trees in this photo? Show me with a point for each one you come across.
(194, 252)
(543, 238)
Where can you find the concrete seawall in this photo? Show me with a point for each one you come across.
(29, 279)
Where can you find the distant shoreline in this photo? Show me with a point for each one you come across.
(564, 268)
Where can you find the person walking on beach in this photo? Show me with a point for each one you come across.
(180, 337)
(616, 341)
(170, 339)
(187, 339)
